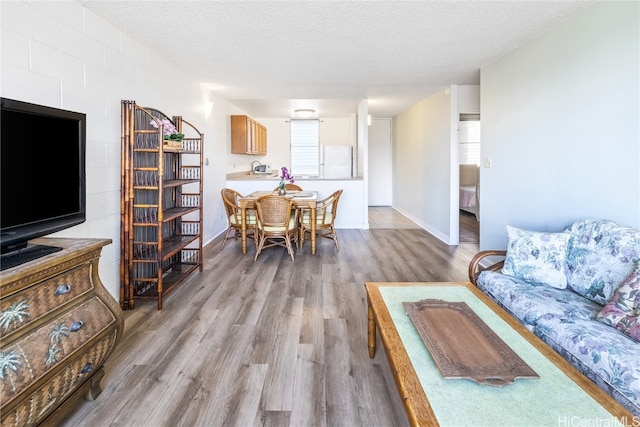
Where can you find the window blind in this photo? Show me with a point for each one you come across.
(469, 153)
(469, 141)
(305, 147)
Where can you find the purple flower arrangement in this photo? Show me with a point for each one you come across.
(285, 176)
(168, 130)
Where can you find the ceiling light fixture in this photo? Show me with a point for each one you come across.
(304, 113)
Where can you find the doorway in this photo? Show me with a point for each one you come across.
(469, 177)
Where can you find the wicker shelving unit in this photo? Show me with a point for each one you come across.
(160, 207)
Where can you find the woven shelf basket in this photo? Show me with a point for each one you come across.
(171, 143)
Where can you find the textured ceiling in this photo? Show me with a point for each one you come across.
(269, 57)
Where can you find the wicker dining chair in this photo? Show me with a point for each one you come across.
(289, 187)
(277, 223)
(326, 211)
(234, 217)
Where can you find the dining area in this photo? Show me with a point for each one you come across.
(274, 219)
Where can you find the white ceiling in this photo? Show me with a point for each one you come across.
(269, 57)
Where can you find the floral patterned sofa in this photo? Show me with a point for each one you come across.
(579, 291)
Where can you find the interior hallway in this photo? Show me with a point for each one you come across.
(388, 217)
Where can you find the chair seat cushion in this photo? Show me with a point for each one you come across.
(250, 216)
(271, 229)
(320, 218)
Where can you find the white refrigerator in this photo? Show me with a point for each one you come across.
(336, 161)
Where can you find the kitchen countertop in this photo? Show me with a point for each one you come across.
(246, 176)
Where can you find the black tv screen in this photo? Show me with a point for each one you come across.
(42, 173)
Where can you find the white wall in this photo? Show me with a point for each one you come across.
(421, 163)
(468, 98)
(337, 131)
(380, 157)
(560, 122)
(61, 55)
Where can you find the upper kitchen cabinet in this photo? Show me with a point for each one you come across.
(248, 136)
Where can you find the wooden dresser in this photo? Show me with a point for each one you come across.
(58, 325)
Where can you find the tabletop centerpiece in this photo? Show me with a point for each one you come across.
(284, 176)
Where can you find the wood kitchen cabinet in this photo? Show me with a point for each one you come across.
(248, 136)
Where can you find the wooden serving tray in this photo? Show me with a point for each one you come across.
(463, 346)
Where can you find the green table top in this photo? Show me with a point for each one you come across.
(552, 400)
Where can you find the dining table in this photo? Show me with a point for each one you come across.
(301, 200)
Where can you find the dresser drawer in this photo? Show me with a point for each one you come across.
(40, 351)
(28, 305)
(33, 408)
(58, 325)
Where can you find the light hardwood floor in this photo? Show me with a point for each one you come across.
(469, 228)
(387, 217)
(271, 342)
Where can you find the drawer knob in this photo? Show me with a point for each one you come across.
(87, 368)
(63, 289)
(75, 326)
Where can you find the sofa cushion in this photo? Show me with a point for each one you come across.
(610, 358)
(621, 311)
(600, 255)
(537, 256)
(529, 301)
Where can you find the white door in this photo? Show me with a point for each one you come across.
(380, 177)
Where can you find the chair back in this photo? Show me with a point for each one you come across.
(234, 216)
(230, 200)
(274, 212)
(328, 208)
(289, 187)
(276, 223)
(326, 211)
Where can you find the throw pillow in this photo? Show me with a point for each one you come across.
(537, 256)
(600, 255)
(621, 311)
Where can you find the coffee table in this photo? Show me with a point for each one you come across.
(562, 396)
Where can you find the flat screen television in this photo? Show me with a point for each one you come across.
(42, 176)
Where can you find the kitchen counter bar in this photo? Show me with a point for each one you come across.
(246, 176)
